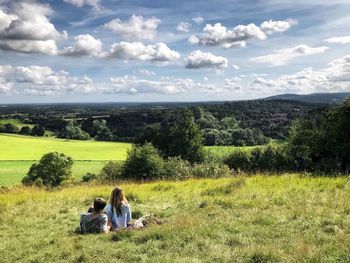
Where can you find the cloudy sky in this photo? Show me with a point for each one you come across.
(141, 50)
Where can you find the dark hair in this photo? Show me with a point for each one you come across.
(99, 204)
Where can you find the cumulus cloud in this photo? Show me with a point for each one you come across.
(198, 20)
(271, 26)
(282, 56)
(331, 79)
(136, 28)
(84, 45)
(28, 29)
(236, 67)
(198, 59)
(218, 35)
(183, 27)
(5, 84)
(41, 80)
(80, 3)
(233, 84)
(132, 85)
(159, 52)
(338, 40)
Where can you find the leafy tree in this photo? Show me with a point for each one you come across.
(100, 130)
(52, 169)
(10, 128)
(181, 136)
(25, 130)
(73, 132)
(143, 163)
(38, 130)
(229, 123)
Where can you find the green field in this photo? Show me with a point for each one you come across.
(285, 218)
(16, 122)
(17, 153)
(16, 147)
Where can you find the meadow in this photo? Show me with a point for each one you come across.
(287, 218)
(18, 153)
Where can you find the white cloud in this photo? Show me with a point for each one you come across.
(282, 56)
(198, 20)
(85, 45)
(271, 26)
(219, 35)
(236, 67)
(198, 59)
(233, 84)
(338, 40)
(5, 84)
(147, 72)
(28, 29)
(159, 52)
(41, 80)
(334, 78)
(183, 27)
(136, 28)
(132, 85)
(80, 3)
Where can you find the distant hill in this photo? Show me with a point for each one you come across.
(328, 98)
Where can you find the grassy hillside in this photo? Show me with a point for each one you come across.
(16, 147)
(243, 219)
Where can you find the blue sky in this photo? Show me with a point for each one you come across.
(112, 50)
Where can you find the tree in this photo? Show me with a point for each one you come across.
(38, 130)
(73, 132)
(143, 162)
(10, 128)
(181, 136)
(25, 130)
(52, 169)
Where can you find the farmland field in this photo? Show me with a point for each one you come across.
(287, 218)
(17, 153)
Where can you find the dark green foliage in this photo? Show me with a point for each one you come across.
(73, 132)
(180, 136)
(100, 131)
(9, 128)
(111, 172)
(52, 169)
(88, 177)
(143, 163)
(176, 168)
(25, 130)
(321, 142)
(38, 130)
(239, 160)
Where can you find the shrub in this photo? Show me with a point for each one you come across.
(239, 160)
(25, 130)
(88, 177)
(176, 168)
(211, 170)
(143, 163)
(52, 169)
(111, 172)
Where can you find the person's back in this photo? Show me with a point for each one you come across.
(119, 220)
(118, 210)
(96, 221)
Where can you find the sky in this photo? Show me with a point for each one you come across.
(148, 51)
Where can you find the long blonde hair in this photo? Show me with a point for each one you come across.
(117, 199)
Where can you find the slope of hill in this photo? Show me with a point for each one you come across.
(328, 98)
(240, 219)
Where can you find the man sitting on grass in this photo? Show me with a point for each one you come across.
(95, 221)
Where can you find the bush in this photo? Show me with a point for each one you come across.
(211, 170)
(52, 169)
(88, 177)
(25, 130)
(143, 163)
(239, 160)
(176, 168)
(111, 172)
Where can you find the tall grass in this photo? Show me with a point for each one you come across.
(287, 218)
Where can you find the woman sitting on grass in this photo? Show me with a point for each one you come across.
(118, 211)
(95, 221)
